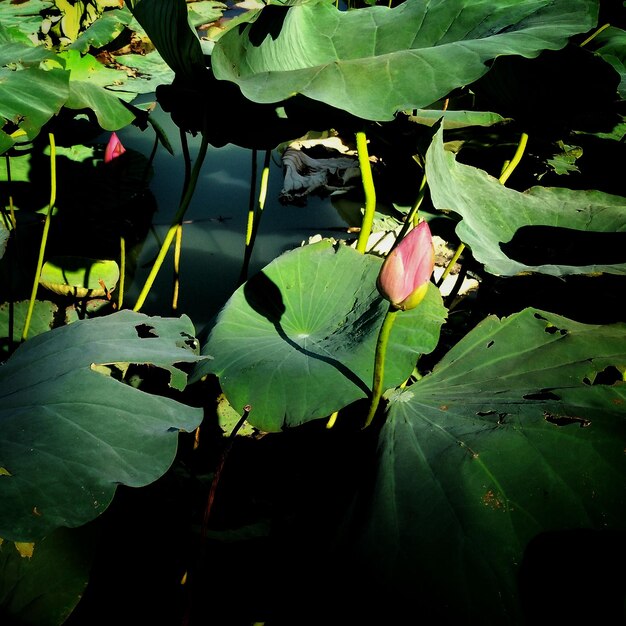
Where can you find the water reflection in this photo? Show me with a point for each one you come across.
(213, 240)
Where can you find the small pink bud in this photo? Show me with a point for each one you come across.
(114, 148)
(406, 271)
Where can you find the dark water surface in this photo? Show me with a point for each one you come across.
(213, 240)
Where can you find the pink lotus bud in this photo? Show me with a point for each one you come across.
(114, 148)
(405, 274)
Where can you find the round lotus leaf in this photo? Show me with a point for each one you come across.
(297, 341)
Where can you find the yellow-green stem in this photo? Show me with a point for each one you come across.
(517, 157)
(178, 218)
(594, 35)
(252, 200)
(120, 297)
(414, 215)
(332, 420)
(44, 236)
(412, 218)
(379, 362)
(177, 252)
(450, 265)
(254, 218)
(368, 188)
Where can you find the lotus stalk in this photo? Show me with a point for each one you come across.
(44, 236)
(403, 281)
(368, 189)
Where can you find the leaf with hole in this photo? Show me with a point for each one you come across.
(69, 435)
(518, 431)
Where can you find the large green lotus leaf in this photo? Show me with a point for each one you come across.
(375, 61)
(42, 588)
(297, 341)
(585, 229)
(69, 434)
(47, 92)
(512, 434)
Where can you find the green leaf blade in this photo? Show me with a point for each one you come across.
(376, 61)
(494, 216)
(497, 446)
(69, 434)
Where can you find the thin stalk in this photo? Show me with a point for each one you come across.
(44, 235)
(412, 217)
(332, 420)
(177, 252)
(146, 171)
(251, 198)
(253, 223)
(594, 34)
(368, 188)
(451, 263)
(178, 218)
(121, 286)
(184, 146)
(517, 157)
(379, 362)
(504, 176)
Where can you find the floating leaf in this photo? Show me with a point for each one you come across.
(79, 277)
(309, 322)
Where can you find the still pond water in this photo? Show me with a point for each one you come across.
(214, 231)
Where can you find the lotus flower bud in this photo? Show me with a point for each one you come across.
(406, 271)
(114, 148)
